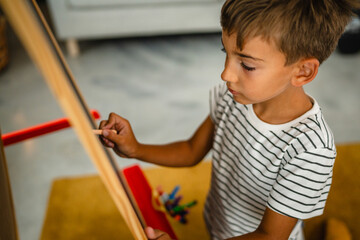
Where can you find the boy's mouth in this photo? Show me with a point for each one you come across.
(232, 91)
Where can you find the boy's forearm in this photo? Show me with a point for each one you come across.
(252, 236)
(180, 154)
(177, 154)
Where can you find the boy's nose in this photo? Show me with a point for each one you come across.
(228, 75)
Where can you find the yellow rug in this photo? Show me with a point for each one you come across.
(80, 207)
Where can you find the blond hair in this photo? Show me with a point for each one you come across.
(299, 28)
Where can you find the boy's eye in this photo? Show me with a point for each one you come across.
(247, 68)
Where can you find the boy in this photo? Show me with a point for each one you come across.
(273, 152)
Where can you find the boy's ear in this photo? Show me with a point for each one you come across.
(306, 71)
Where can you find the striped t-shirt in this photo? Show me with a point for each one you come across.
(286, 167)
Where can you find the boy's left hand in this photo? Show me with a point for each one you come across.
(156, 234)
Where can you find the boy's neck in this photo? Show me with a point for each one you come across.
(284, 108)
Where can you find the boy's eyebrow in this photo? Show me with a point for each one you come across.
(244, 55)
(248, 56)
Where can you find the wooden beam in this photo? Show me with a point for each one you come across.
(42, 48)
(8, 228)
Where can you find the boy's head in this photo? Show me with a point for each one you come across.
(298, 28)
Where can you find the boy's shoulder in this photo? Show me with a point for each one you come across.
(312, 128)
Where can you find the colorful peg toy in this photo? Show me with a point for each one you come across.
(170, 203)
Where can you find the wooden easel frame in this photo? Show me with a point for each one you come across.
(32, 29)
(8, 227)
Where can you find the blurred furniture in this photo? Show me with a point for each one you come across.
(349, 43)
(92, 19)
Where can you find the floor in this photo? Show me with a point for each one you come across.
(160, 84)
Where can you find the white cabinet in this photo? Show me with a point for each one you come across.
(94, 19)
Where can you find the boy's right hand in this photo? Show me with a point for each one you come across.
(123, 142)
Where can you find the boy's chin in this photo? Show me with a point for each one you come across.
(241, 100)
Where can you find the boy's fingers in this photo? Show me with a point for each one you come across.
(102, 124)
(110, 122)
(110, 136)
(150, 233)
(114, 118)
(117, 122)
(155, 234)
(107, 142)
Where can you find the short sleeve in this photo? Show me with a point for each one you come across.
(216, 96)
(303, 184)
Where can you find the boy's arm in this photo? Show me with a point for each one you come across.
(273, 226)
(177, 154)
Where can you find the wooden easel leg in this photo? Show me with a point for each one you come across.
(8, 228)
(72, 47)
(49, 59)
